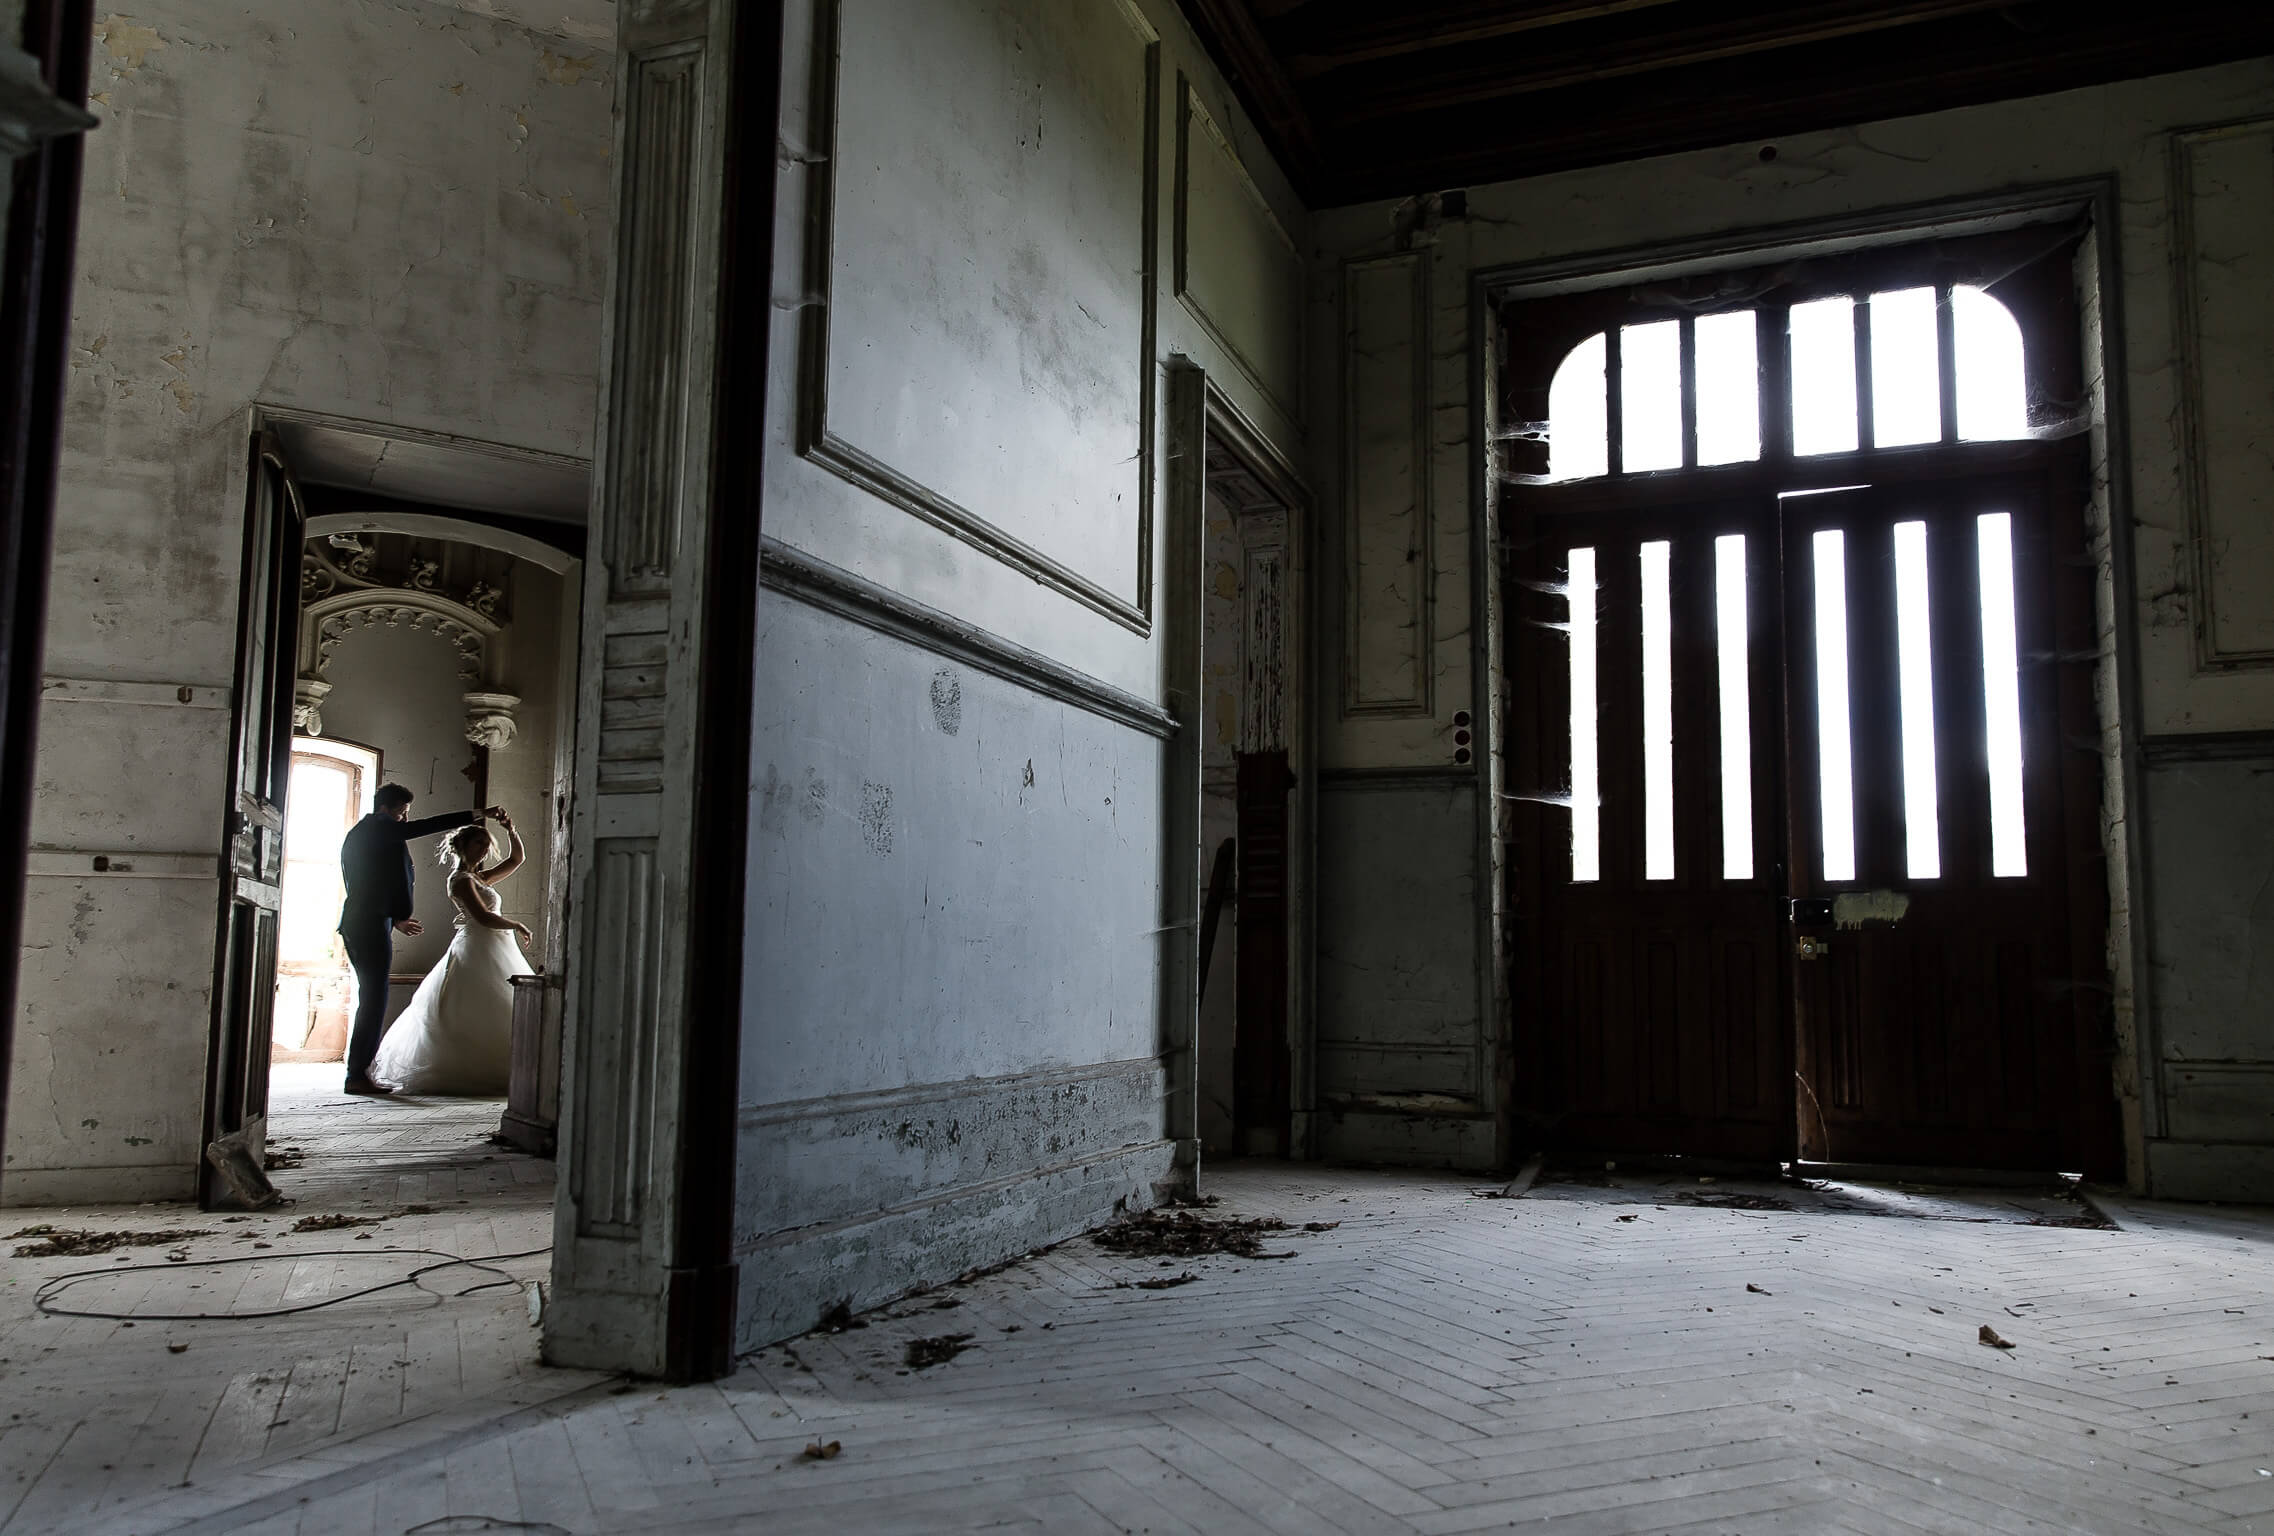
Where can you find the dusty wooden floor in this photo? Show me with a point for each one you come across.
(106, 1427)
(1587, 1359)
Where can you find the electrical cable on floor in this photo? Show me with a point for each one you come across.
(44, 1298)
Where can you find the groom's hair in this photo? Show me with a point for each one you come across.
(388, 796)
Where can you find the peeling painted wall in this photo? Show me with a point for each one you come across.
(383, 209)
(953, 1040)
(2190, 154)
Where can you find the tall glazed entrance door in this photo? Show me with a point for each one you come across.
(1806, 862)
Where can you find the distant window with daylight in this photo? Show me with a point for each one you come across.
(1863, 371)
(1579, 422)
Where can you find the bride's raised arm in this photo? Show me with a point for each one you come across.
(513, 855)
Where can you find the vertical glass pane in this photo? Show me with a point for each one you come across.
(1650, 396)
(1586, 791)
(1579, 423)
(1824, 376)
(1835, 769)
(2001, 696)
(1736, 708)
(1915, 649)
(1728, 388)
(1657, 711)
(1906, 378)
(1993, 392)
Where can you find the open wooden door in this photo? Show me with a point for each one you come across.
(252, 852)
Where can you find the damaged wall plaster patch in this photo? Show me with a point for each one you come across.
(564, 69)
(127, 43)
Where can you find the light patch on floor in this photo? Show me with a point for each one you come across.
(1431, 1361)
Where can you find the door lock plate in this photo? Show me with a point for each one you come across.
(1808, 948)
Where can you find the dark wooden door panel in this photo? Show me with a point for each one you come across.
(253, 856)
(1957, 1033)
(1261, 1077)
(1663, 1023)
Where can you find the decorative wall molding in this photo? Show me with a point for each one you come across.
(648, 412)
(795, 574)
(1389, 561)
(819, 442)
(1263, 638)
(2209, 747)
(1198, 131)
(103, 690)
(622, 967)
(328, 621)
(1416, 776)
(2223, 262)
(120, 864)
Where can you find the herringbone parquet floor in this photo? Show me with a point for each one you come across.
(1437, 1362)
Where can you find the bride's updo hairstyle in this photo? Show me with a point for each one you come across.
(467, 845)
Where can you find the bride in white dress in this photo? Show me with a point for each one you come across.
(456, 1037)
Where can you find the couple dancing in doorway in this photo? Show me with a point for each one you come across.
(456, 1037)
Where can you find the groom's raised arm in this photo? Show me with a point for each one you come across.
(428, 826)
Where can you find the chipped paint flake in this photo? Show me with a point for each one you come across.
(128, 45)
(563, 68)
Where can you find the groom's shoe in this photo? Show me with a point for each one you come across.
(367, 1087)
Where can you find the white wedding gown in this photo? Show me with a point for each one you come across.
(456, 1037)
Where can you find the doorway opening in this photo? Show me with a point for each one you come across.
(422, 646)
(329, 790)
(1253, 809)
(1801, 633)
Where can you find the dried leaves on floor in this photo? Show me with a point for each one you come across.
(282, 1157)
(61, 1242)
(1989, 1336)
(823, 1450)
(938, 1350)
(1182, 1235)
(333, 1221)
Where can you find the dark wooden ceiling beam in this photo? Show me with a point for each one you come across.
(1502, 75)
(1717, 106)
(1314, 49)
(1228, 30)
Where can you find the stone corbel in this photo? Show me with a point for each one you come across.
(308, 705)
(490, 720)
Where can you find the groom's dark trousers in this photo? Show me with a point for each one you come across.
(375, 862)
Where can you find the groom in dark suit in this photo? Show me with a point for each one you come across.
(376, 861)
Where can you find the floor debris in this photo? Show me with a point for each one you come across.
(1165, 1282)
(282, 1157)
(820, 1450)
(1756, 1290)
(1181, 1235)
(334, 1221)
(1989, 1336)
(923, 1354)
(68, 1242)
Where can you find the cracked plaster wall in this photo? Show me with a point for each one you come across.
(2127, 131)
(954, 1020)
(387, 210)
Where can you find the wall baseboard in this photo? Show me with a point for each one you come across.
(791, 1279)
